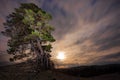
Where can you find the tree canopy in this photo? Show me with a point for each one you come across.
(30, 34)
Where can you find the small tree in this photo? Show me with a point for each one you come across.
(30, 34)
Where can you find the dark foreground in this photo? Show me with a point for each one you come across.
(24, 72)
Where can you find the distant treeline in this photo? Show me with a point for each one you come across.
(90, 71)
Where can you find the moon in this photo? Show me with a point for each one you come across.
(61, 55)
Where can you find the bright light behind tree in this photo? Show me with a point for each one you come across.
(61, 55)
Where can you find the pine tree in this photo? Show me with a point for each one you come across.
(30, 34)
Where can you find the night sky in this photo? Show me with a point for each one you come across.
(88, 31)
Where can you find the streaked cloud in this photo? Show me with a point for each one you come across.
(87, 30)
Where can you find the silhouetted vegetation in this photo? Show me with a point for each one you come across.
(90, 71)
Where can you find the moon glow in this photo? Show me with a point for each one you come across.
(61, 55)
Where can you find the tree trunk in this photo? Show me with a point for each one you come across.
(43, 60)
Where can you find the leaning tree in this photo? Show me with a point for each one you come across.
(30, 34)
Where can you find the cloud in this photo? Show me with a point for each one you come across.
(94, 33)
(113, 55)
(112, 58)
(87, 30)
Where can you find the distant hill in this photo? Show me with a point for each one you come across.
(91, 71)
